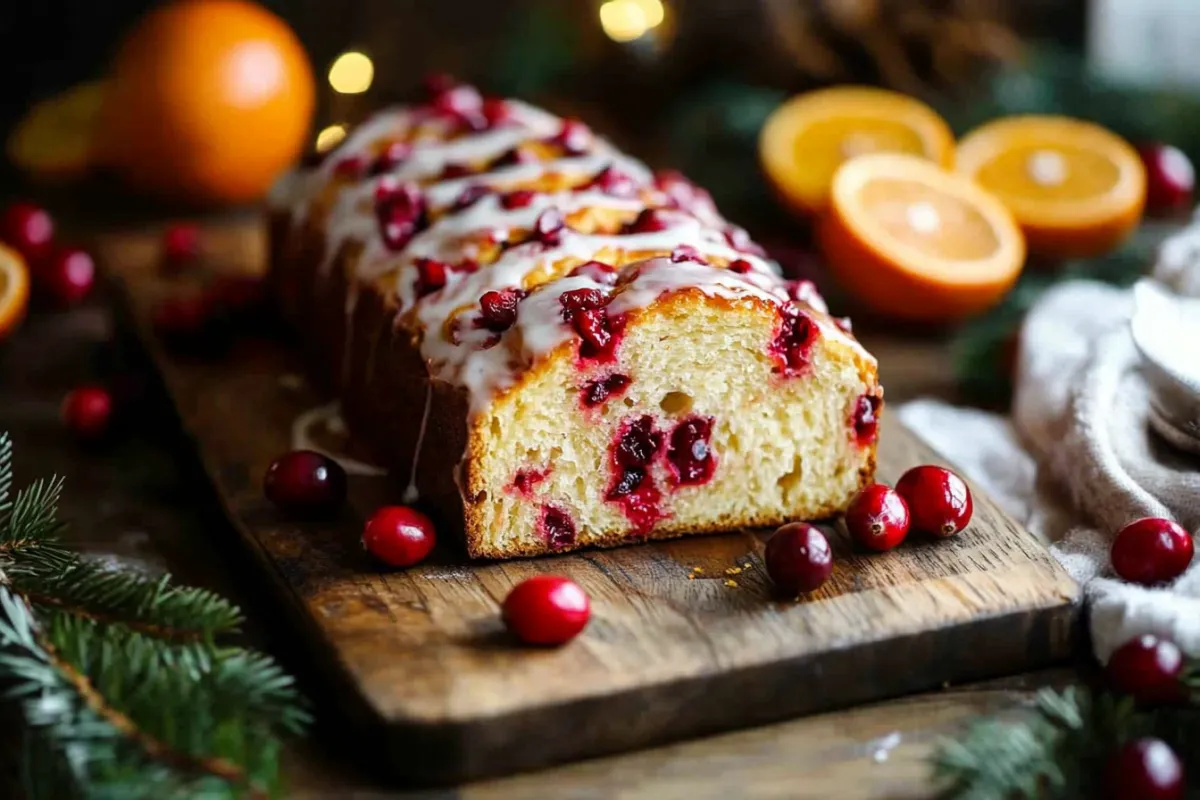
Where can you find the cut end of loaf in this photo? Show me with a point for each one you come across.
(710, 414)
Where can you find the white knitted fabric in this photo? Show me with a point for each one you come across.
(1078, 459)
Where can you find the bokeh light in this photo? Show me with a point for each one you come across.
(329, 137)
(351, 73)
(626, 20)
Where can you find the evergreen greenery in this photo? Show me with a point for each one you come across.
(124, 683)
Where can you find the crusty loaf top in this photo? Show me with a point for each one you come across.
(500, 231)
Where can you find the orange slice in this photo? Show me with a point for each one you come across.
(806, 139)
(1075, 188)
(14, 290)
(913, 241)
(54, 140)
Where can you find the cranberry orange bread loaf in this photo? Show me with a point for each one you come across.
(557, 347)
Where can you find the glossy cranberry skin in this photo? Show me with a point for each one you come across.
(519, 198)
(877, 518)
(548, 227)
(399, 536)
(574, 137)
(1149, 669)
(498, 309)
(690, 452)
(798, 558)
(593, 328)
(614, 182)
(1170, 178)
(1151, 551)
(66, 276)
(28, 229)
(794, 341)
(866, 418)
(87, 411)
(939, 502)
(649, 220)
(575, 300)
(431, 275)
(304, 482)
(600, 390)
(546, 610)
(180, 243)
(1144, 769)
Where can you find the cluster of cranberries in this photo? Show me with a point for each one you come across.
(544, 610)
(1151, 670)
(929, 499)
(62, 275)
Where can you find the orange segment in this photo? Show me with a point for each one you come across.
(807, 138)
(913, 241)
(54, 140)
(14, 290)
(1075, 188)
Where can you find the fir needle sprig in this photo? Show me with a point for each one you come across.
(124, 683)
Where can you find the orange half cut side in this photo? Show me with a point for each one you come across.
(807, 138)
(14, 290)
(1076, 189)
(915, 242)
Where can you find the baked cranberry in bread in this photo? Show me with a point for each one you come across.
(554, 345)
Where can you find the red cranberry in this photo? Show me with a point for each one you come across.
(399, 536)
(638, 443)
(684, 253)
(498, 309)
(597, 271)
(574, 137)
(1170, 178)
(526, 479)
(1151, 551)
(431, 275)
(877, 518)
(496, 111)
(681, 192)
(690, 453)
(87, 412)
(1148, 668)
(798, 558)
(181, 243)
(793, 344)
(1144, 769)
(939, 502)
(740, 240)
(600, 390)
(741, 266)
(592, 326)
(305, 482)
(549, 227)
(557, 527)
(577, 300)
(67, 276)
(519, 198)
(350, 167)
(399, 208)
(628, 481)
(437, 83)
(546, 610)
(452, 171)
(392, 156)
(866, 418)
(650, 220)
(28, 229)
(470, 196)
(460, 101)
(613, 181)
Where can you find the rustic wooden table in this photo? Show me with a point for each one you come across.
(144, 498)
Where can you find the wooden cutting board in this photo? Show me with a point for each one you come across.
(686, 636)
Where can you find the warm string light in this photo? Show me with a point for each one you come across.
(626, 20)
(351, 73)
(330, 137)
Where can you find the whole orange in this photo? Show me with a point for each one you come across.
(208, 101)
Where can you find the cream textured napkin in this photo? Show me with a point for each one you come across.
(1078, 458)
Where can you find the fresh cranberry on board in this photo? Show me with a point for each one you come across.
(66, 276)
(1151, 550)
(87, 411)
(547, 610)
(939, 502)
(305, 482)
(28, 229)
(1170, 178)
(399, 536)
(798, 558)
(1144, 769)
(877, 517)
(1149, 669)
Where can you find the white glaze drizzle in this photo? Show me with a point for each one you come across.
(411, 495)
(473, 359)
(329, 415)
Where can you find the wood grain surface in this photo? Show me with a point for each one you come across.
(686, 638)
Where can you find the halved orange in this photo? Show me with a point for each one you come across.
(14, 290)
(807, 138)
(913, 241)
(54, 140)
(1076, 189)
